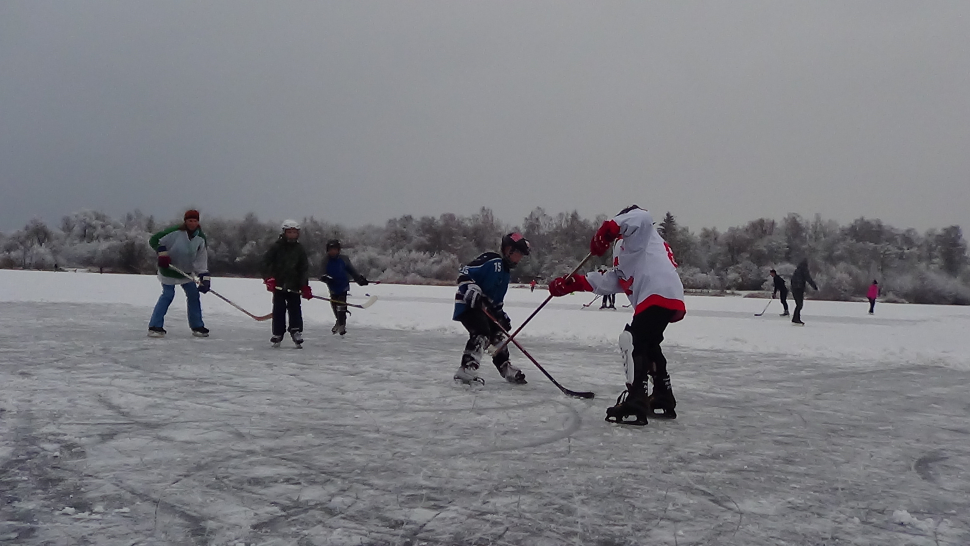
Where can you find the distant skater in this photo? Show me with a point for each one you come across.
(872, 294)
(780, 288)
(799, 279)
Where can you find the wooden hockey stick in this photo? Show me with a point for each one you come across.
(220, 296)
(370, 301)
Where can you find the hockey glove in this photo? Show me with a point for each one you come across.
(605, 235)
(362, 281)
(567, 285)
(205, 283)
(306, 292)
(163, 259)
(270, 284)
(473, 295)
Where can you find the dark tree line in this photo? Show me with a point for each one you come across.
(930, 267)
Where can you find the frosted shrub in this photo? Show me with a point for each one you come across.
(836, 286)
(694, 279)
(744, 276)
(930, 287)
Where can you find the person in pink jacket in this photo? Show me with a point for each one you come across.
(645, 270)
(872, 294)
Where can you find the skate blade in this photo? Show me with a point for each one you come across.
(638, 422)
(276, 345)
(156, 334)
(197, 334)
(478, 381)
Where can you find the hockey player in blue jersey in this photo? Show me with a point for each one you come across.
(337, 273)
(482, 285)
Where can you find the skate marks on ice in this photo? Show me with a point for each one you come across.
(206, 441)
(112, 438)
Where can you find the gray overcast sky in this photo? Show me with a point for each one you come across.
(355, 112)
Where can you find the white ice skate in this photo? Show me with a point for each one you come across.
(513, 374)
(468, 375)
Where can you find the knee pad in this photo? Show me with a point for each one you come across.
(626, 353)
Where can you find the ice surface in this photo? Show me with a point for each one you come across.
(852, 430)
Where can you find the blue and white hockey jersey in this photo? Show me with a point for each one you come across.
(490, 272)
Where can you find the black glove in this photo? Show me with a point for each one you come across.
(205, 283)
(498, 313)
(362, 281)
(326, 278)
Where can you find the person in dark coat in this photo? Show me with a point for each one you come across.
(285, 274)
(780, 288)
(799, 279)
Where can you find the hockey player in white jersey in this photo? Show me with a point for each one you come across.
(644, 268)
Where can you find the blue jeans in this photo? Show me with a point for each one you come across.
(168, 294)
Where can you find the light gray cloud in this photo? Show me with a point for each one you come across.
(359, 111)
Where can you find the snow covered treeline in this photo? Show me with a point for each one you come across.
(930, 267)
(844, 260)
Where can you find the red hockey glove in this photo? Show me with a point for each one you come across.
(567, 285)
(270, 284)
(163, 258)
(605, 235)
(306, 292)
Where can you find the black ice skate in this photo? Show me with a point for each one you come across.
(339, 328)
(156, 331)
(201, 331)
(297, 338)
(276, 340)
(662, 400)
(631, 403)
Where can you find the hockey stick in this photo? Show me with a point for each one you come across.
(370, 301)
(765, 309)
(577, 394)
(543, 304)
(585, 305)
(220, 296)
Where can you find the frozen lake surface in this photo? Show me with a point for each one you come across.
(851, 430)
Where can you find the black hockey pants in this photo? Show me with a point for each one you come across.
(285, 302)
(799, 297)
(648, 332)
(479, 325)
(339, 305)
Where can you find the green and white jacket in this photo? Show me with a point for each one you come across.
(187, 253)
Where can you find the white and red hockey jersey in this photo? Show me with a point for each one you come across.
(643, 267)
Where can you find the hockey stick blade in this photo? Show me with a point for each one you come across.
(370, 301)
(567, 392)
(220, 296)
